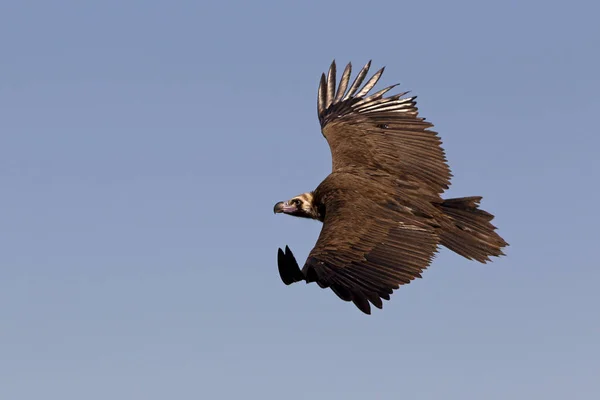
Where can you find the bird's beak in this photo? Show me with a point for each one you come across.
(283, 207)
(279, 207)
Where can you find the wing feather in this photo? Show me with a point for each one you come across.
(370, 83)
(331, 80)
(375, 96)
(343, 83)
(358, 81)
(322, 95)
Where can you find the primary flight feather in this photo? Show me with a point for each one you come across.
(381, 207)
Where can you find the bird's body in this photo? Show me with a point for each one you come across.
(381, 207)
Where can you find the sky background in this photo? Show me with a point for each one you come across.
(144, 143)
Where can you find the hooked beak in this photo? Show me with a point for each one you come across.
(283, 207)
(278, 207)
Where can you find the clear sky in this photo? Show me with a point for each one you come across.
(144, 143)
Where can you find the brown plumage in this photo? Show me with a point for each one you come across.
(381, 207)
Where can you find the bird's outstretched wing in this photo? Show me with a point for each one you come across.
(377, 132)
(366, 249)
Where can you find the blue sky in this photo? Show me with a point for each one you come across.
(144, 143)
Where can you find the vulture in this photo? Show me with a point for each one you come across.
(381, 207)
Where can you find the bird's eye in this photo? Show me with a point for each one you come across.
(295, 202)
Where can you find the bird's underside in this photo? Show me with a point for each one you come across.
(381, 207)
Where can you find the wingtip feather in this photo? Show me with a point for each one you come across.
(331, 82)
(343, 83)
(370, 83)
(321, 96)
(358, 80)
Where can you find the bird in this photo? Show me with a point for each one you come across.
(381, 207)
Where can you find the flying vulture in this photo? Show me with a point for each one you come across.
(381, 207)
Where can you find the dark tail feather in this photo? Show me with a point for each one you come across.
(471, 234)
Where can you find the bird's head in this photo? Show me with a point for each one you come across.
(299, 206)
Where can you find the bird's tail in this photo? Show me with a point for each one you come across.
(470, 232)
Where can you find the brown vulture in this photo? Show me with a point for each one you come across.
(381, 207)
